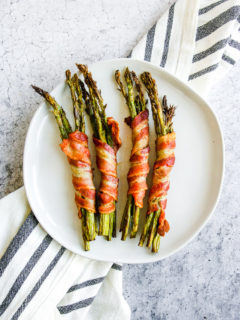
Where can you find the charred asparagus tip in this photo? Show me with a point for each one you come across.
(68, 74)
(40, 91)
(82, 68)
(75, 78)
(117, 75)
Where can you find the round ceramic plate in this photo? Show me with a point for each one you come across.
(195, 179)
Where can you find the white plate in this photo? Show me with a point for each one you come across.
(195, 180)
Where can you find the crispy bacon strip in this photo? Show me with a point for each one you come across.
(165, 160)
(139, 158)
(114, 125)
(107, 165)
(76, 149)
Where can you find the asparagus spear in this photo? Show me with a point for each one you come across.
(95, 108)
(76, 109)
(65, 129)
(162, 116)
(136, 105)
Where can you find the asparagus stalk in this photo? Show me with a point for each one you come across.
(76, 110)
(162, 116)
(80, 100)
(96, 110)
(135, 105)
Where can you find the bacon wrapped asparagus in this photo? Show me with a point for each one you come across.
(156, 224)
(139, 166)
(107, 142)
(75, 146)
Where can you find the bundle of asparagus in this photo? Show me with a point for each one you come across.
(107, 142)
(75, 146)
(156, 225)
(139, 168)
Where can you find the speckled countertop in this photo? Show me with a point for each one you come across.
(39, 40)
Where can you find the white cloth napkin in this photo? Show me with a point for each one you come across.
(198, 41)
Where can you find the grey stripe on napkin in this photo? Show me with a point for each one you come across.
(86, 284)
(168, 35)
(149, 43)
(29, 224)
(210, 7)
(75, 306)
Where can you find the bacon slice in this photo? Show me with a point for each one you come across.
(76, 149)
(107, 165)
(113, 124)
(165, 160)
(139, 158)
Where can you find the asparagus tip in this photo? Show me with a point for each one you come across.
(117, 75)
(75, 78)
(82, 67)
(39, 91)
(68, 74)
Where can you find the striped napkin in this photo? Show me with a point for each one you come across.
(39, 278)
(198, 41)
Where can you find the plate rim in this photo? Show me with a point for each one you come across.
(206, 219)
